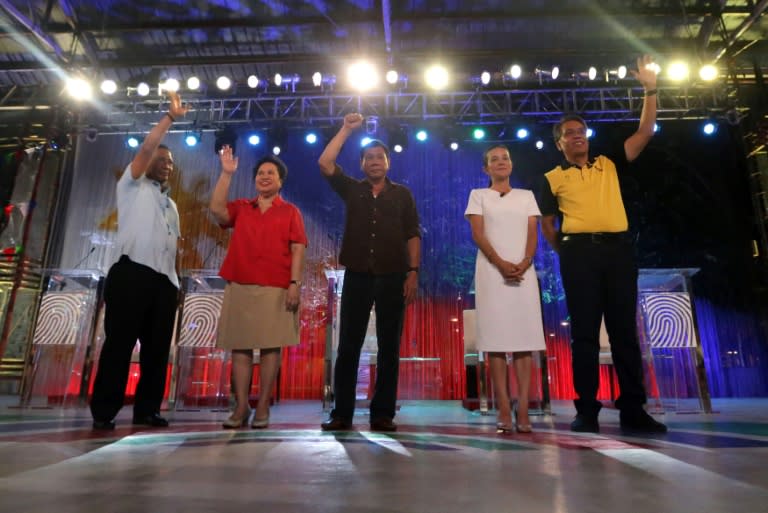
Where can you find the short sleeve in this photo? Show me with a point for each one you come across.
(233, 209)
(297, 232)
(533, 207)
(547, 201)
(474, 205)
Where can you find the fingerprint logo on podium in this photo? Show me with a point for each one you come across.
(669, 320)
(200, 320)
(58, 320)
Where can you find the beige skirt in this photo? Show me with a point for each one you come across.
(254, 317)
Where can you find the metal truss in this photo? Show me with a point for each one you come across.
(465, 107)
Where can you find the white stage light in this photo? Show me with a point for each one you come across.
(253, 81)
(79, 89)
(170, 84)
(392, 77)
(436, 77)
(590, 133)
(709, 128)
(142, 89)
(522, 133)
(254, 140)
(278, 79)
(223, 83)
(708, 73)
(592, 73)
(621, 72)
(515, 71)
(555, 72)
(276, 150)
(317, 79)
(454, 146)
(485, 78)
(193, 83)
(539, 144)
(678, 71)
(362, 76)
(108, 87)
(311, 138)
(422, 135)
(398, 148)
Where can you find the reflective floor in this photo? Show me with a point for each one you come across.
(443, 459)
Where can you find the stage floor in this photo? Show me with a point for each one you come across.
(443, 459)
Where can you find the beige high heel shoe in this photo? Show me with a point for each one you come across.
(520, 428)
(260, 423)
(237, 422)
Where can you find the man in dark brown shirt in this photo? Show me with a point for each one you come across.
(380, 250)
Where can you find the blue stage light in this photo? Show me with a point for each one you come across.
(254, 140)
(311, 138)
(422, 135)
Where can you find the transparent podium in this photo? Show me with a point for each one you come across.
(479, 389)
(200, 376)
(64, 331)
(365, 370)
(668, 326)
(419, 376)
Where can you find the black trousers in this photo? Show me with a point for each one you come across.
(140, 304)
(600, 280)
(360, 292)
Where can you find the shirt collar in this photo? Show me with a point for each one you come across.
(387, 183)
(159, 185)
(275, 202)
(565, 164)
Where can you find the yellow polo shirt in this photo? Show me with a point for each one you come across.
(589, 197)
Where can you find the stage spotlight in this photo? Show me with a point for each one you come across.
(253, 81)
(133, 141)
(708, 73)
(223, 83)
(539, 144)
(709, 128)
(254, 140)
(278, 79)
(397, 138)
(392, 77)
(311, 138)
(362, 76)
(678, 71)
(226, 137)
(592, 73)
(193, 83)
(485, 78)
(192, 139)
(91, 134)
(371, 125)
(170, 84)
(653, 67)
(108, 87)
(656, 127)
(522, 133)
(478, 134)
(365, 140)
(142, 89)
(453, 145)
(555, 72)
(79, 89)
(276, 150)
(422, 135)
(515, 71)
(590, 133)
(621, 72)
(436, 77)
(317, 79)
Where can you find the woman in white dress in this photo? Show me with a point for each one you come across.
(507, 302)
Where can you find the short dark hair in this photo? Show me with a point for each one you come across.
(558, 127)
(487, 151)
(282, 169)
(374, 143)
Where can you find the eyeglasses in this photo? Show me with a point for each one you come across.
(574, 131)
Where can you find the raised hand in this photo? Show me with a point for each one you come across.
(353, 120)
(228, 161)
(645, 74)
(176, 109)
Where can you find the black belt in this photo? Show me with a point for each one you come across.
(595, 237)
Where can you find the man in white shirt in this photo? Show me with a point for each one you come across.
(141, 289)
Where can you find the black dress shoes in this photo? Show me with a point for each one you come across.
(336, 424)
(638, 421)
(153, 420)
(584, 423)
(103, 425)
(383, 424)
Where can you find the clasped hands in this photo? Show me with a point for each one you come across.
(512, 272)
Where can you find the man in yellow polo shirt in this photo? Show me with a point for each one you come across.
(597, 261)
